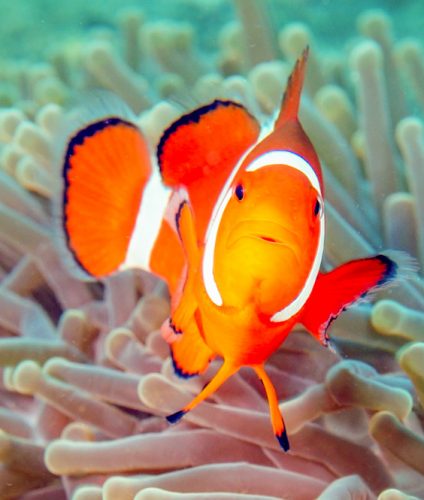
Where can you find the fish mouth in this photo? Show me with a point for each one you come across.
(269, 239)
(269, 232)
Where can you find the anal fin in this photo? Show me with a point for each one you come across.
(227, 369)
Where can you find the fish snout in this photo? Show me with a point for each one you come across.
(268, 232)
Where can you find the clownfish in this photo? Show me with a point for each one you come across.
(233, 220)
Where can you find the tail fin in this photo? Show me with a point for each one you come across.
(291, 100)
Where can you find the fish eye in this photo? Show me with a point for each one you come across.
(239, 192)
(317, 207)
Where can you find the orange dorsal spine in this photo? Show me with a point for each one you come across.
(291, 100)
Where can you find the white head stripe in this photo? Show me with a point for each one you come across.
(212, 231)
(286, 158)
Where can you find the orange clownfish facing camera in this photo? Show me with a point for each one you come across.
(234, 222)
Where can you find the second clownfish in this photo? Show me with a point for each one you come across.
(233, 221)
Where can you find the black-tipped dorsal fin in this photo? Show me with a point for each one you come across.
(291, 100)
(205, 141)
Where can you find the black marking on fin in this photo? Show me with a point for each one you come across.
(77, 140)
(175, 417)
(173, 327)
(325, 339)
(283, 440)
(391, 269)
(179, 371)
(178, 216)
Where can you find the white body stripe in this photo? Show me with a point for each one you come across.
(287, 158)
(149, 219)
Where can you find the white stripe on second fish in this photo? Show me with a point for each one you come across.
(149, 219)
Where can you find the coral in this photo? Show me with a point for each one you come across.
(86, 377)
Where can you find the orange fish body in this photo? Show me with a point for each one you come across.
(235, 226)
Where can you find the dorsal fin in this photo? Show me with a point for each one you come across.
(200, 150)
(291, 100)
(202, 142)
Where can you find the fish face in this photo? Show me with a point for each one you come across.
(268, 237)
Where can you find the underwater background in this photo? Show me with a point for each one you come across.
(86, 377)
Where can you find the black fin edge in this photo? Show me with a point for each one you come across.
(390, 271)
(178, 217)
(179, 371)
(175, 417)
(283, 440)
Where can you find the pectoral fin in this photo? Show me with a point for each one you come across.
(274, 409)
(337, 290)
(226, 370)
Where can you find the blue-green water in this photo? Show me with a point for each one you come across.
(29, 29)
